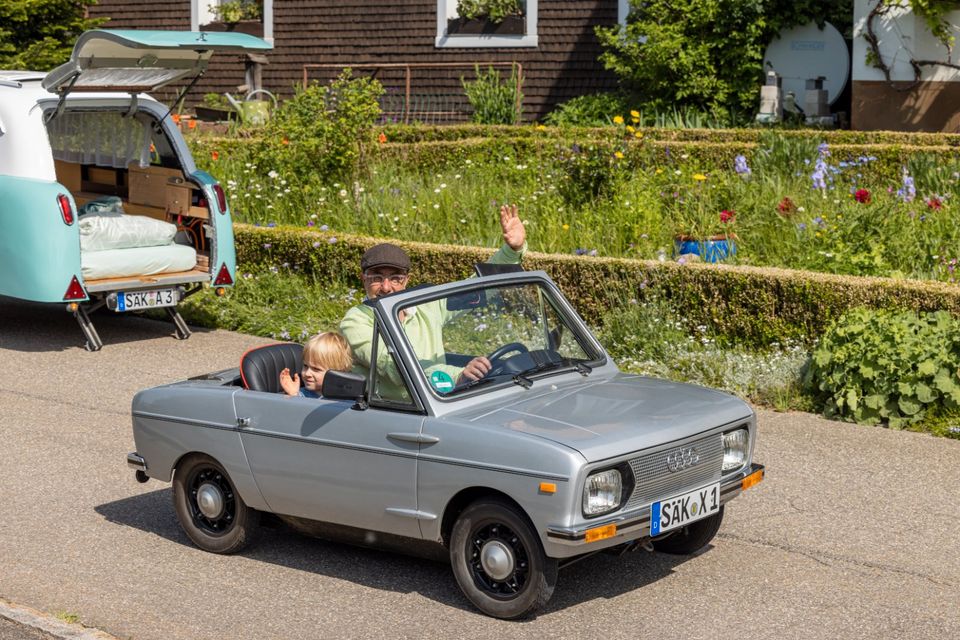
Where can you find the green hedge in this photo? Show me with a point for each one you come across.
(754, 306)
(705, 155)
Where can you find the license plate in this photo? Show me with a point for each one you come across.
(133, 300)
(684, 509)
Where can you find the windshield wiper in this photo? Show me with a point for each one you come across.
(523, 378)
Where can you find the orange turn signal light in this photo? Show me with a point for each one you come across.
(548, 487)
(72, 307)
(752, 480)
(600, 533)
(221, 291)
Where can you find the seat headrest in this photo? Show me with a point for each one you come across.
(260, 367)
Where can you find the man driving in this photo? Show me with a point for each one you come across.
(385, 269)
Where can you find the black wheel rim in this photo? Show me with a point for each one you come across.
(211, 478)
(505, 587)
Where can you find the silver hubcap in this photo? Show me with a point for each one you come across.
(210, 501)
(497, 560)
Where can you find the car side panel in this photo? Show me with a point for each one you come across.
(171, 421)
(475, 455)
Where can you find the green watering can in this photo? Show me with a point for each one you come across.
(254, 112)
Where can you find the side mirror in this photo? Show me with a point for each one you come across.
(344, 385)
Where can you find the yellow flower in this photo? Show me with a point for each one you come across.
(618, 119)
(618, 155)
(630, 129)
(541, 127)
(639, 134)
(699, 177)
(658, 171)
(566, 227)
(635, 114)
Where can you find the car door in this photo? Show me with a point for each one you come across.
(326, 460)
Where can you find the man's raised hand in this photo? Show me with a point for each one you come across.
(514, 234)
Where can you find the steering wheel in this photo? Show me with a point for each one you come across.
(498, 363)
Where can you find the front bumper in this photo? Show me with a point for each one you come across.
(636, 525)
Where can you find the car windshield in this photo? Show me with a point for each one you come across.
(517, 328)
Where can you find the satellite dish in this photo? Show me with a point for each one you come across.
(806, 52)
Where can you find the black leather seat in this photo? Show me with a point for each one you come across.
(260, 367)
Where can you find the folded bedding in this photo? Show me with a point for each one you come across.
(103, 226)
(136, 261)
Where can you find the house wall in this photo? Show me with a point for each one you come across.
(877, 104)
(355, 32)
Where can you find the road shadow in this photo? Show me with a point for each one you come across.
(599, 576)
(35, 327)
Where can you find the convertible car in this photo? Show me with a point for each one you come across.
(552, 456)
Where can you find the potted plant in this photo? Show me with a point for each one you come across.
(243, 16)
(485, 17)
(703, 226)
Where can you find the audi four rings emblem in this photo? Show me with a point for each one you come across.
(682, 459)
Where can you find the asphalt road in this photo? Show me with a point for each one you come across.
(854, 534)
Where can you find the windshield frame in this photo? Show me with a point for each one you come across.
(389, 306)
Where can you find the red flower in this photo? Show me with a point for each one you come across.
(786, 207)
(727, 216)
(382, 137)
(285, 141)
(215, 155)
(935, 203)
(862, 196)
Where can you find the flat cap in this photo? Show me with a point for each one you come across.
(385, 255)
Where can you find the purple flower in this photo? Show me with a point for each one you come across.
(324, 227)
(267, 245)
(823, 149)
(316, 244)
(592, 252)
(271, 224)
(802, 226)
(740, 165)
(579, 252)
(908, 191)
(309, 223)
(332, 240)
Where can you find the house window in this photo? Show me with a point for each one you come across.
(218, 15)
(454, 30)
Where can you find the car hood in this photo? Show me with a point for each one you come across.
(608, 417)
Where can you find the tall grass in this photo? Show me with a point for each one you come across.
(797, 207)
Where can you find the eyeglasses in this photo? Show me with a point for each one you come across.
(396, 279)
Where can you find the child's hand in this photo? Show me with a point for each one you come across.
(290, 385)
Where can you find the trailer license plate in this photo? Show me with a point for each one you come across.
(133, 300)
(684, 509)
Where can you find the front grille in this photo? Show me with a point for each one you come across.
(654, 480)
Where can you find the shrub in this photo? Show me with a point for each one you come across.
(322, 131)
(593, 110)
(494, 101)
(888, 367)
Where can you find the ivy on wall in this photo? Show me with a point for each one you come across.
(933, 13)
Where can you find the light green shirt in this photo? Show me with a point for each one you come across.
(423, 326)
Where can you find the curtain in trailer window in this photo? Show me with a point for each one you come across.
(104, 139)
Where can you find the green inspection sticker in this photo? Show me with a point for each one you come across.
(441, 381)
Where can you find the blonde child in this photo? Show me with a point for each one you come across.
(323, 352)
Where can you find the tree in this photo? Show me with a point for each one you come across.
(39, 34)
(706, 54)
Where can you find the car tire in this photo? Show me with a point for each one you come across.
(498, 560)
(692, 537)
(208, 507)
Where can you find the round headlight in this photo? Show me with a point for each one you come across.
(602, 492)
(735, 445)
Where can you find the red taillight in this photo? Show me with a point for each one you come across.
(221, 197)
(66, 211)
(223, 277)
(75, 291)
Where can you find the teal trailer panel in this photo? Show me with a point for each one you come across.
(40, 254)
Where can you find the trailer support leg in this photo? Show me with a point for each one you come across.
(183, 331)
(94, 343)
